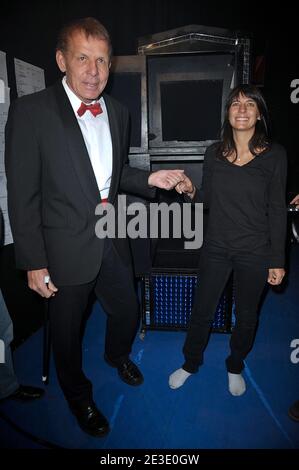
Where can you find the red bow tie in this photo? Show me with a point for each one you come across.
(94, 108)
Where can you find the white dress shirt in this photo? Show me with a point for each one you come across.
(97, 138)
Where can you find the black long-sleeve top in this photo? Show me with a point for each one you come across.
(247, 208)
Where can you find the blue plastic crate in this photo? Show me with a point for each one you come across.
(168, 301)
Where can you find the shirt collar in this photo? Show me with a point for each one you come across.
(74, 100)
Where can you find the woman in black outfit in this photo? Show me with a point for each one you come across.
(244, 179)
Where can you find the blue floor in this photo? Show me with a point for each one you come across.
(200, 415)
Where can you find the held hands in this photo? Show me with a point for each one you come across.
(295, 201)
(187, 187)
(166, 179)
(276, 276)
(169, 179)
(37, 281)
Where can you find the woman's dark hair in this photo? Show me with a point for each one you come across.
(260, 139)
(89, 26)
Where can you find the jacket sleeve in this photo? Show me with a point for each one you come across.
(23, 171)
(277, 213)
(133, 180)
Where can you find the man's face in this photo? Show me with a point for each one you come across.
(86, 64)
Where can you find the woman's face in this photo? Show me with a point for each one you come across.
(243, 113)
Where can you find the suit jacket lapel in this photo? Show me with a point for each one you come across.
(116, 161)
(77, 147)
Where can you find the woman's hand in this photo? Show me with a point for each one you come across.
(187, 187)
(276, 276)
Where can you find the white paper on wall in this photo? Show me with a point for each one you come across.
(3, 191)
(3, 68)
(29, 78)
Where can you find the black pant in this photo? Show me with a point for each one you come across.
(250, 275)
(114, 287)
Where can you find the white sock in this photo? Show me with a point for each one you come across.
(236, 384)
(178, 378)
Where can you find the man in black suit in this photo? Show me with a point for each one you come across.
(66, 151)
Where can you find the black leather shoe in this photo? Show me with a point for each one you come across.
(26, 393)
(91, 420)
(129, 373)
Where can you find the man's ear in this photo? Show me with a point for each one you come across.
(60, 61)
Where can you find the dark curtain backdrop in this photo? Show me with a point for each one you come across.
(28, 31)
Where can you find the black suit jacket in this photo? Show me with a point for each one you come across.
(52, 190)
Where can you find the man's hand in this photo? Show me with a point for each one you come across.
(186, 186)
(165, 179)
(295, 201)
(39, 281)
(275, 276)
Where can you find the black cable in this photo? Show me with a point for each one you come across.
(28, 435)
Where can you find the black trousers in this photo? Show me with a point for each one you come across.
(250, 275)
(114, 288)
